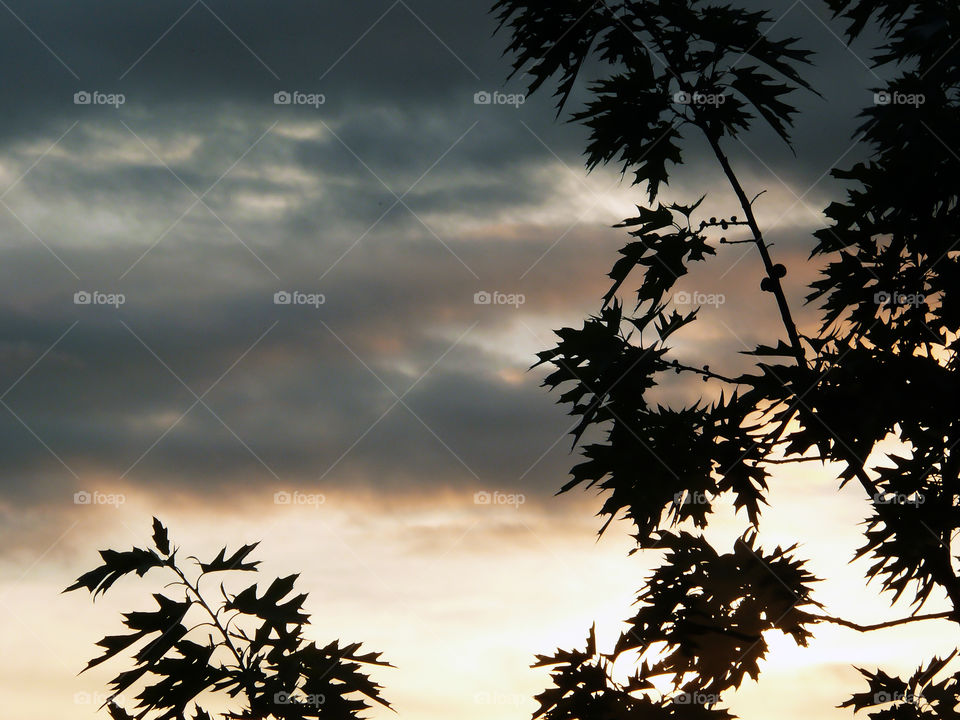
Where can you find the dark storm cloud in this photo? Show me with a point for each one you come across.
(376, 62)
(301, 198)
(301, 396)
(298, 393)
(383, 64)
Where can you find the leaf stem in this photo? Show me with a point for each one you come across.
(249, 688)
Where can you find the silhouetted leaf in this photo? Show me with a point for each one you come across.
(160, 540)
(234, 562)
(271, 673)
(115, 566)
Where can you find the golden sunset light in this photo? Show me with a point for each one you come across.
(486, 360)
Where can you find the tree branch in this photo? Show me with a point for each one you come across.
(705, 372)
(242, 669)
(946, 615)
(747, 205)
(790, 325)
(213, 616)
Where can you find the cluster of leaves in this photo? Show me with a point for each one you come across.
(917, 698)
(703, 613)
(891, 321)
(890, 318)
(656, 59)
(255, 648)
(701, 622)
(883, 363)
(709, 611)
(653, 456)
(584, 687)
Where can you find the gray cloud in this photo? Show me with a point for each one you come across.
(298, 201)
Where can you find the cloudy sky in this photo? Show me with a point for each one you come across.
(183, 390)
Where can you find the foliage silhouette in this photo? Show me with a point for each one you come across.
(882, 365)
(254, 647)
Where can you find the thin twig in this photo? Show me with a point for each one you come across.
(946, 615)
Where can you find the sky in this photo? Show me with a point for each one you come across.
(357, 429)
